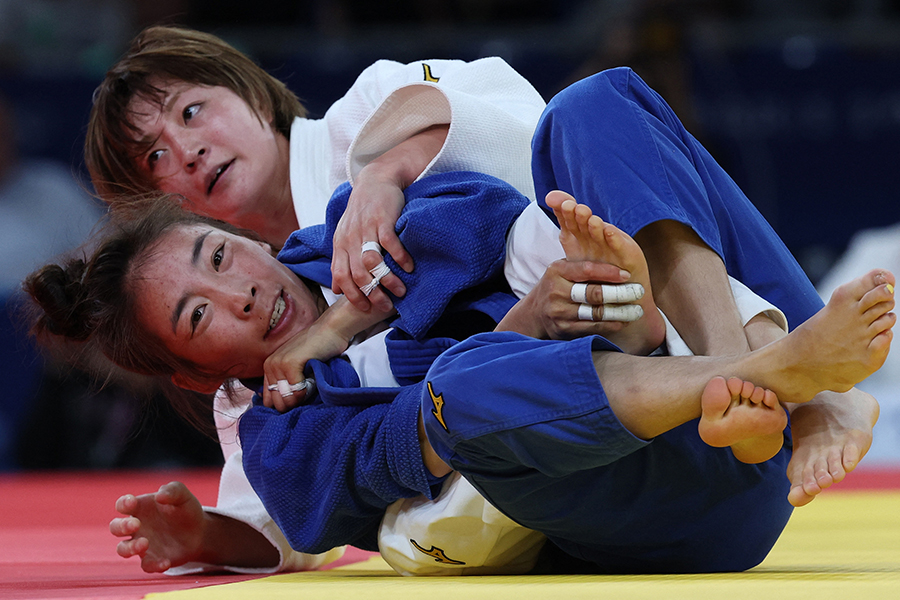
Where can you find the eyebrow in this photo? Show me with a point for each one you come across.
(195, 257)
(166, 107)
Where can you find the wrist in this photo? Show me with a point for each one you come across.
(228, 542)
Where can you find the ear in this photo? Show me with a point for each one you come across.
(266, 246)
(206, 386)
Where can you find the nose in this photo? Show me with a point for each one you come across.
(186, 149)
(191, 158)
(244, 301)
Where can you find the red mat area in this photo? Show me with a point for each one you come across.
(55, 540)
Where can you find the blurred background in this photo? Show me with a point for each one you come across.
(798, 99)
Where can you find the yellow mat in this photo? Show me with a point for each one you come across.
(842, 546)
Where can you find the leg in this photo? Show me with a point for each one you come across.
(574, 448)
(577, 152)
(841, 345)
(584, 236)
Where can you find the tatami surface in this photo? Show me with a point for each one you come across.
(54, 543)
(844, 545)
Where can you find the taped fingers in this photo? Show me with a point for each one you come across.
(370, 246)
(585, 312)
(289, 389)
(625, 313)
(622, 293)
(378, 272)
(579, 293)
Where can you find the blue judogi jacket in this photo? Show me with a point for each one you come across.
(327, 471)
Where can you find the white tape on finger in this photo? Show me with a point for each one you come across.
(585, 312)
(378, 272)
(625, 313)
(373, 246)
(579, 293)
(284, 388)
(622, 293)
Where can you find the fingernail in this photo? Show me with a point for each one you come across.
(890, 289)
(625, 275)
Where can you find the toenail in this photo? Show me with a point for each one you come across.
(890, 289)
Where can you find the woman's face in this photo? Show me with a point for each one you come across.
(220, 300)
(210, 147)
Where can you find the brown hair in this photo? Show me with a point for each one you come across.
(163, 53)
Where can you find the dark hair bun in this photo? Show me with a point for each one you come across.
(59, 292)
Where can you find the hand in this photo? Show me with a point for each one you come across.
(548, 312)
(287, 363)
(371, 216)
(327, 338)
(165, 529)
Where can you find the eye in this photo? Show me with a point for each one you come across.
(196, 316)
(188, 113)
(153, 157)
(218, 256)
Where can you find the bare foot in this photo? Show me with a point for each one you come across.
(831, 435)
(840, 345)
(747, 418)
(586, 237)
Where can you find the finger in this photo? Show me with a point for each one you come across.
(267, 394)
(340, 270)
(623, 293)
(126, 504)
(155, 565)
(393, 246)
(380, 300)
(278, 402)
(394, 285)
(625, 313)
(124, 526)
(596, 272)
(135, 547)
(345, 280)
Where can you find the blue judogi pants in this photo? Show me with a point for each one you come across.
(528, 424)
(527, 421)
(614, 144)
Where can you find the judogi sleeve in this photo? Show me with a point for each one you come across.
(327, 473)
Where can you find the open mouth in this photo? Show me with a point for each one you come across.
(218, 174)
(277, 312)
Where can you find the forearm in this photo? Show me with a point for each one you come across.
(690, 285)
(402, 164)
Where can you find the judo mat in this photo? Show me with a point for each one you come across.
(54, 543)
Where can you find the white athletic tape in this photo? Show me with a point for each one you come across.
(378, 272)
(585, 312)
(373, 246)
(622, 293)
(284, 388)
(579, 293)
(622, 312)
